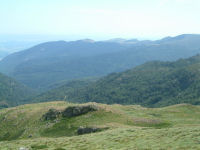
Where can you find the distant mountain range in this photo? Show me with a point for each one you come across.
(153, 84)
(3, 54)
(52, 62)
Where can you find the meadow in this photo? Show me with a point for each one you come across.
(127, 127)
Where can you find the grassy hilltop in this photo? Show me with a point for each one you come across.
(125, 127)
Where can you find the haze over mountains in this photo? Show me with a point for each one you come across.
(74, 70)
(3, 54)
(100, 75)
(118, 71)
(48, 63)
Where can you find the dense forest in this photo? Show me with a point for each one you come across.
(153, 84)
(69, 71)
(12, 93)
(52, 62)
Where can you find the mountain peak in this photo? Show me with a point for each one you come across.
(86, 40)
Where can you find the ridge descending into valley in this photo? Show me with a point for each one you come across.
(153, 84)
(12, 93)
(48, 63)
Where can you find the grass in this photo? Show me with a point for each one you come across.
(130, 127)
(120, 138)
(39, 146)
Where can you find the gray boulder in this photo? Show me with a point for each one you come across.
(87, 130)
(73, 111)
(52, 114)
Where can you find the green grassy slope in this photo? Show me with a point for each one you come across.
(130, 127)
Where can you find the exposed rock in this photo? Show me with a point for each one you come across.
(70, 111)
(52, 114)
(82, 130)
(30, 136)
(73, 111)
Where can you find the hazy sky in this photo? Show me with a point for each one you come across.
(100, 18)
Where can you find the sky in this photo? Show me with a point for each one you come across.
(100, 19)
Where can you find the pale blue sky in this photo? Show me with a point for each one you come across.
(100, 19)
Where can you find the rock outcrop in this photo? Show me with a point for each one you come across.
(52, 114)
(69, 112)
(82, 130)
(73, 111)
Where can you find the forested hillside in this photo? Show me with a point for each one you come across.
(12, 93)
(152, 84)
(61, 92)
(52, 62)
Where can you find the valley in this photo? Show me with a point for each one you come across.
(84, 98)
(100, 75)
(48, 63)
(153, 84)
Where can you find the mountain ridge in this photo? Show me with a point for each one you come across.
(153, 84)
(52, 62)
